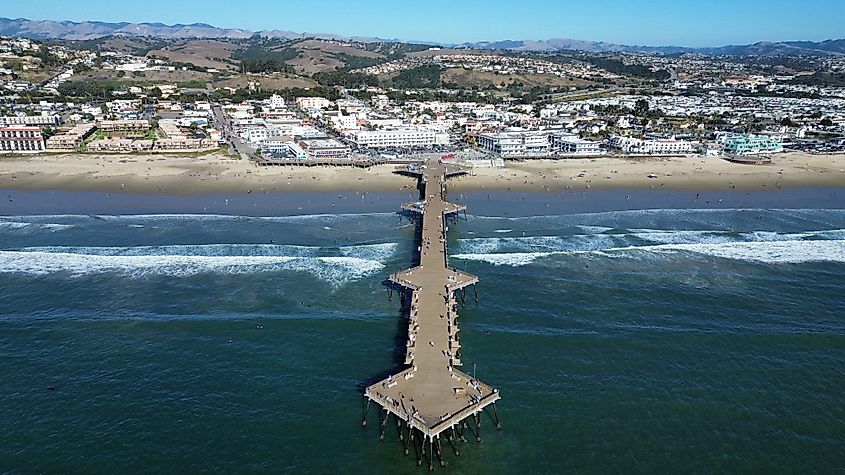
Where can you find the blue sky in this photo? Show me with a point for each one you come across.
(644, 22)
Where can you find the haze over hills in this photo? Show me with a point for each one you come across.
(69, 30)
(88, 30)
(763, 48)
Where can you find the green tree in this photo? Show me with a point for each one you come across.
(641, 107)
(418, 78)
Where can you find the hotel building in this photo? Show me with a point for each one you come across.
(409, 137)
(19, 139)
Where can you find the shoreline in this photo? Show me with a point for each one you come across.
(217, 173)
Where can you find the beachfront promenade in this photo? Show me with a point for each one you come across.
(431, 399)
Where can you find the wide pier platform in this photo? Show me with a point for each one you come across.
(431, 396)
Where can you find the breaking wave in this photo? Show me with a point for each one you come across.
(354, 262)
(10, 225)
(769, 252)
(756, 246)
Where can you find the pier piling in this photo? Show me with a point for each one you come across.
(384, 424)
(366, 410)
(477, 427)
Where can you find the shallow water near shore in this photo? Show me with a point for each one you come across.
(692, 335)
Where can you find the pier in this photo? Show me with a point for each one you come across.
(431, 400)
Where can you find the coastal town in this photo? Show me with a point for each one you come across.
(390, 237)
(59, 98)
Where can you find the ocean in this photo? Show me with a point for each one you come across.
(676, 335)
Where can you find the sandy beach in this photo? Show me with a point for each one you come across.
(217, 173)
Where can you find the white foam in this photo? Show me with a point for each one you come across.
(601, 241)
(335, 270)
(191, 217)
(795, 212)
(535, 243)
(770, 252)
(680, 236)
(513, 259)
(55, 226)
(30, 225)
(188, 250)
(503, 231)
(375, 252)
(13, 225)
(338, 270)
(593, 229)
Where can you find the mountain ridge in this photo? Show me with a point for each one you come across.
(88, 30)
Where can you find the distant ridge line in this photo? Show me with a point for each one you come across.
(89, 30)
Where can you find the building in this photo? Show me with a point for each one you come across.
(176, 139)
(282, 148)
(572, 145)
(341, 122)
(752, 145)
(306, 103)
(120, 145)
(512, 144)
(71, 140)
(30, 121)
(634, 146)
(408, 137)
(19, 139)
(124, 125)
(182, 143)
(277, 102)
(324, 148)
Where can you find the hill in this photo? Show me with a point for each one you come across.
(93, 30)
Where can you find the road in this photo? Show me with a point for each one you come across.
(242, 149)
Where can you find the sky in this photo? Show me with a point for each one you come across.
(693, 23)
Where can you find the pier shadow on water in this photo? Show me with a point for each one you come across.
(403, 295)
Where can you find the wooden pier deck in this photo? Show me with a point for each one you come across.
(432, 395)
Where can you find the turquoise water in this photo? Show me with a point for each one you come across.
(663, 340)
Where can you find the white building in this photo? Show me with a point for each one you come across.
(634, 146)
(133, 66)
(277, 102)
(308, 103)
(21, 139)
(254, 135)
(341, 122)
(406, 137)
(283, 146)
(574, 146)
(324, 148)
(30, 120)
(390, 123)
(523, 143)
